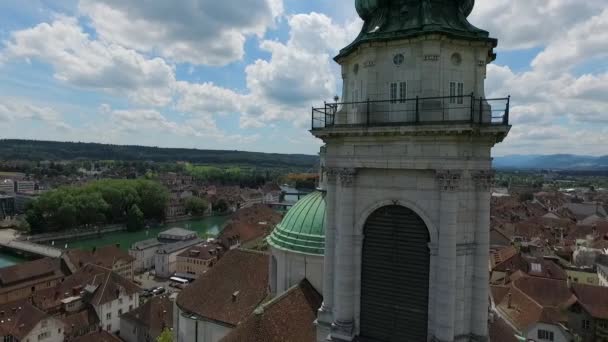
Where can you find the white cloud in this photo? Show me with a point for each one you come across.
(12, 110)
(199, 32)
(81, 61)
(531, 23)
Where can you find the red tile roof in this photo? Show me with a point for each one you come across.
(19, 318)
(231, 290)
(289, 317)
(501, 331)
(98, 336)
(594, 299)
(36, 270)
(105, 256)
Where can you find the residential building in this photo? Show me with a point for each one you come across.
(209, 308)
(7, 187)
(272, 193)
(165, 259)
(144, 252)
(533, 306)
(196, 260)
(78, 320)
(147, 322)
(588, 316)
(601, 264)
(110, 256)
(404, 196)
(25, 187)
(107, 293)
(507, 261)
(22, 280)
(21, 321)
(298, 306)
(7, 206)
(176, 234)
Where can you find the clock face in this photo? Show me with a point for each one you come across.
(398, 59)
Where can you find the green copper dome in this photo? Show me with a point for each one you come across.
(303, 228)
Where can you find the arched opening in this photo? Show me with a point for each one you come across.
(394, 276)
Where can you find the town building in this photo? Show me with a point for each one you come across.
(22, 200)
(97, 336)
(78, 320)
(22, 280)
(7, 187)
(534, 307)
(25, 187)
(7, 206)
(409, 175)
(21, 321)
(298, 306)
(176, 234)
(272, 193)
(196, 260)
(147, 322)
(110, 256)
(213, 305)
(588, 316)
(602, 270)
(92, 286)
(165, 259)
(144, 252)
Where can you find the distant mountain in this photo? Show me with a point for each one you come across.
(553, 162)
(35, 150)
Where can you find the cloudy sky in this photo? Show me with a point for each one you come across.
(237, 74)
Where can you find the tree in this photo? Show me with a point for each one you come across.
(165, 336)
(196, 205)
(221, 206)
(135, 219)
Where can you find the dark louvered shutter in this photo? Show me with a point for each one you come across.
(395, 277)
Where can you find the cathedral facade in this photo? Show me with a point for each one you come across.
(407, 175)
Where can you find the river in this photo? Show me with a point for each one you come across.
(205, 227)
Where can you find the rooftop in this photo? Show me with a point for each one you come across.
(230, 291)
(288, 317)
(31, 270)
(105, 256)
(594, 299)
(156, 315)
(97, 336)
(19, 318)
(176, 231)
(202, 252)
(177, 246)
(140, 245)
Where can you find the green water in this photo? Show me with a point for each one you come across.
(208, 226)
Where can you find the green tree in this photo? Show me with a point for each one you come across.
(135, 219)
(221, 206)
(165, 336)
(195, 205)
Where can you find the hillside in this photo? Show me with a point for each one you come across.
(35, 150)
(553, 162)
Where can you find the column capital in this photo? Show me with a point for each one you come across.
(448, 180)
(483, 179)
(346, 175)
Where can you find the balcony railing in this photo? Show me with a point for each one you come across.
(413, 111)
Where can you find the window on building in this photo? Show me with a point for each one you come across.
(109, 315)
(545, 335)
(402, 92)
(130, 297)
(119, 300)
(59, 331)
(130, 307)
(586, 324)
(43, 336)
(119, 312)
(109, 327)
(44, 323)
(456, 92)
(603, 324)
(393, 92)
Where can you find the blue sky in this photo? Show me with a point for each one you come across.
(243, 75)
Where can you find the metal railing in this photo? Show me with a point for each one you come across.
(413, 111)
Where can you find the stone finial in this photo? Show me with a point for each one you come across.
(448, 180)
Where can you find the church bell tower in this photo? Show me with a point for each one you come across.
(408, 177)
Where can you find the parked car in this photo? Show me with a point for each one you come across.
(159, 290)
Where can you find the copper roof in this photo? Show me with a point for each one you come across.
(231, 290)
(289, 317)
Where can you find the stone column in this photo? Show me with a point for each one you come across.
(343, 326)
(481, 276)
(448, 183)
(325, 316)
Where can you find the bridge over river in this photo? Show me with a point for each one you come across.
(9, 240)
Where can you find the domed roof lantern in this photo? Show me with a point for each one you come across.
(398, 19)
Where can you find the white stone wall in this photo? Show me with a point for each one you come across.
(189, 329)
(51, 327)
(375, 171)
(602, 274)
(144, 259)
(292, 267)
(121, 305)
(559, 334)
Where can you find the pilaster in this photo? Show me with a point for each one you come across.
(483, 181)
(325, 315)
(448, 183)
(343, 313)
